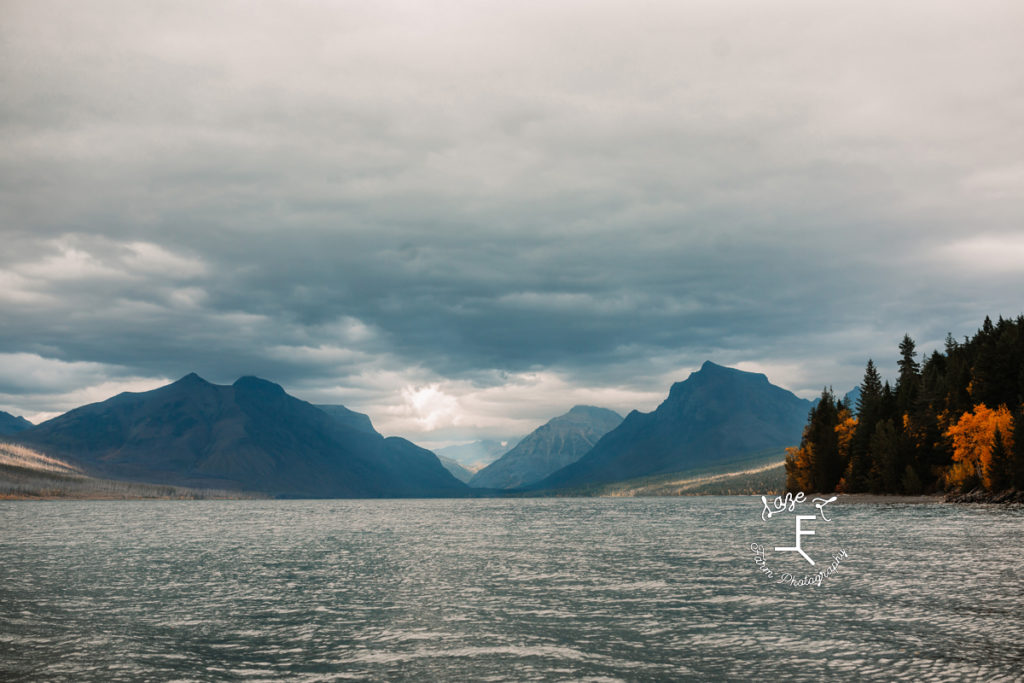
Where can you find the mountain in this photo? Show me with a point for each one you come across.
(478, 453)
(250, 435)
(457, 469)
(362, 422)
(357, 421)
(716, 415)
(10, 424)
(851, 397)
(560, 442)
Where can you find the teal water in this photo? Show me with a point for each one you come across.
(552, 589)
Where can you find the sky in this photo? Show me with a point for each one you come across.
(463, 218)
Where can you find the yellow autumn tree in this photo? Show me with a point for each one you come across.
(972, 437)
(844, 433)
(844, 430)
(798, 468)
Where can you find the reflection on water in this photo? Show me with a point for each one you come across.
(502, 590)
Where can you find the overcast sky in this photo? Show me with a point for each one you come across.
(463, 218)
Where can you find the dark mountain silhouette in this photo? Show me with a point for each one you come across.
(9, 424)
(362, 422)
(250, 435)
(716, 415)
(560, 442)
(351, 418)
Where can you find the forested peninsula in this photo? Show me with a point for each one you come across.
(953, 422)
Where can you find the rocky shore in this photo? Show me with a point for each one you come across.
(1010, 497)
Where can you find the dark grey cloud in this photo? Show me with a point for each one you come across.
(463, 218)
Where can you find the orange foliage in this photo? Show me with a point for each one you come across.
(972, 436)
(844, 430)
(798, 468)
(917, 432)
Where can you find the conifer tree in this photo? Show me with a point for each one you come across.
(885, 470)
(825, 467)
(870, 390)
(816, 464)
(910, 375)
(998, 468)
(869, 407)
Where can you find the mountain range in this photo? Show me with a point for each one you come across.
(250, 435)
(716, 415)
(477, 454)
(560, 442)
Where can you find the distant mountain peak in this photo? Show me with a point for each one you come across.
(585, 410)
(557, 443)
(710, 368)
(250, 383)
(588, 414)
(713, 373)
(191, 378)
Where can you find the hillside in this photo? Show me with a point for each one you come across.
(27, 474)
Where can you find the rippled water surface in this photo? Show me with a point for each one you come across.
(552, 589)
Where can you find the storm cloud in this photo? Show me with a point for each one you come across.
(463, 218)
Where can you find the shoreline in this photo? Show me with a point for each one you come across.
(885, 498)
(1006, 498)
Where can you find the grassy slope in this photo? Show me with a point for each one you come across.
(755, 474)
(29, 474)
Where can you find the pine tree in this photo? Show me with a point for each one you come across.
(826, 468)
(816, 464)
(870, 390)
(869, 410)
(910, 375)
(998, 468)
(885, 471)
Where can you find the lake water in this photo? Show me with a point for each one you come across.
(551, 589)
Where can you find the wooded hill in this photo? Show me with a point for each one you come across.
(952, 422)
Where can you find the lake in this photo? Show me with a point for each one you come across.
(509, 589)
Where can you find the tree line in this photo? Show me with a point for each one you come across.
(953, 421)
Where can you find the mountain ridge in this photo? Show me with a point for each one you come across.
(11, 424)
(251, 435)
(715, 414)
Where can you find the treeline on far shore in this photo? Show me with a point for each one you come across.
(954, 422)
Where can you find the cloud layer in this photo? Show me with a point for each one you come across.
(463, 218)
